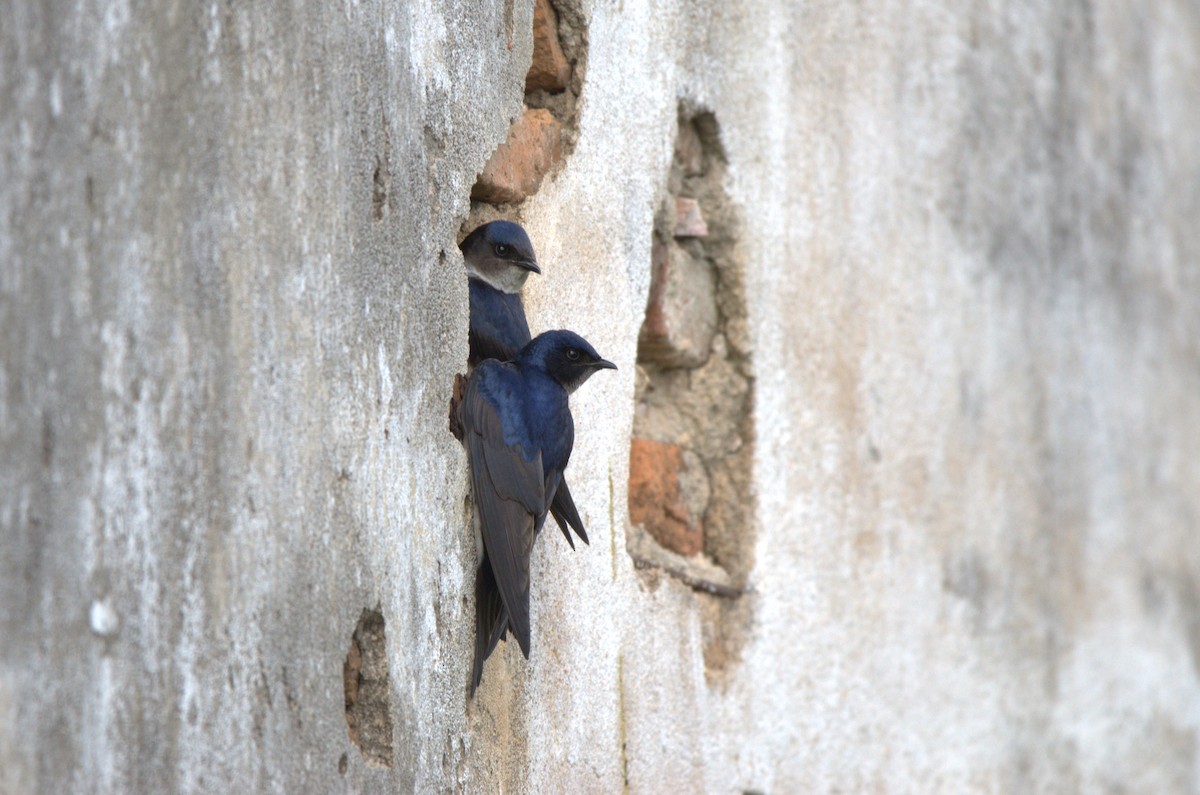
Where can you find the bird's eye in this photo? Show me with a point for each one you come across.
(573, 355)
(503, 250)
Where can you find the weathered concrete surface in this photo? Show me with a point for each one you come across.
(231, 310)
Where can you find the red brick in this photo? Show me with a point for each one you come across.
(689, 222)
(656, 499)
(517, 167)
(681, 313)
(549, 69)
(655, 325)
(689, 150)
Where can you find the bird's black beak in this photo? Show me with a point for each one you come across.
(528, 265)
(603, 364)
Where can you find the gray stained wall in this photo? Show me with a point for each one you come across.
(943, 539)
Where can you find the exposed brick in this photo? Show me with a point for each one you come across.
(655, 325)
(689, 222)
(549, 70)
(656, 499)
(689, 150)
(681, 315)
(518, 165)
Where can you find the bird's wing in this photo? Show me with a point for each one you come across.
(509, 492)
(566, 514)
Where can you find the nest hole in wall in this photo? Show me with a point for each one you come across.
(691, 500)
(540, 139)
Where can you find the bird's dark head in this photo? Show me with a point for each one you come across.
(564, 356)
(500, 254)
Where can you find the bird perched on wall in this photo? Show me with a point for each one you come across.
(518, 431)
(499, 258)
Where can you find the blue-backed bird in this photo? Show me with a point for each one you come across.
(518, 431)
(499, 258)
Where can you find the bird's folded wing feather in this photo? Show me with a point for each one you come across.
(509, 492)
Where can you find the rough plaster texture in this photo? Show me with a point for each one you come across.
(231, 310)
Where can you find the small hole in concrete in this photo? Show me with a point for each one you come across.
(368, 691)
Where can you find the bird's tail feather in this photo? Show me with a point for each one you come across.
(489, 614)
(499, 630)
(566, 514)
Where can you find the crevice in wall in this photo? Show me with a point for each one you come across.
(622, 728)
(381, 179)
(691, 500)
(544, 135)
(368, 690)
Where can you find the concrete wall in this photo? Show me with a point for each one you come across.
(231, 309)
